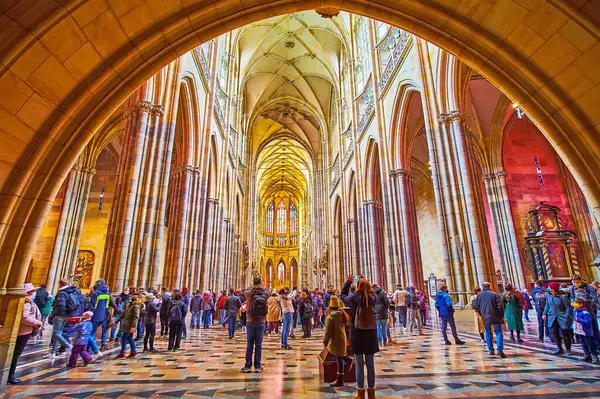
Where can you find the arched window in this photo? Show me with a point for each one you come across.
(281, 218)
(293, 219)
(363, 64)
(269, 220)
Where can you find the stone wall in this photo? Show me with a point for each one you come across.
(429, 229)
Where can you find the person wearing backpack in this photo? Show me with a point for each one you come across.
(256, 314)
(307, 312)
(121, 302)
(413, 303)
(232, 307)
(539, 294)
(513, 313)
(65, 304)
(382, 307)
(207, 307)
(177, 313)
(363, 333)
(165, 305)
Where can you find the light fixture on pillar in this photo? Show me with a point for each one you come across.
(519, 111)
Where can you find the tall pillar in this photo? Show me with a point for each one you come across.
(136, 227)
(470, 254)
(375, 251)
(504, 227)
(408, 234)
(208, 243)
(70, 224)
(353, 245)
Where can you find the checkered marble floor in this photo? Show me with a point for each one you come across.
(416, 367)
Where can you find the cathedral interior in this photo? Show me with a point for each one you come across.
(180, 144)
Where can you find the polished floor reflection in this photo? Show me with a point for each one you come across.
(415, 367)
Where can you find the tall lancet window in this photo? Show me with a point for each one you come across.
(270, 223)
(281, 223)
(293, 224)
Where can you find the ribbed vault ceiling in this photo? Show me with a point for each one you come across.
(289, 69)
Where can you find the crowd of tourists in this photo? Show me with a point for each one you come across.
(356, 320)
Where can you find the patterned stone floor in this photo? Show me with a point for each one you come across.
(416, 367)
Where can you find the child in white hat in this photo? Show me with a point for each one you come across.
(80, 341)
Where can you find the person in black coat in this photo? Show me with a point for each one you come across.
(490, 307)
(363, 332)
(152, 310)
(382, 307)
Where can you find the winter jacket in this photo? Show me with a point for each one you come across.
(101, 301)
(165, 306)
(207, 303)
(82, 332)
(361, 341)
(588, 287)
(558, 310)
(121, 303)
(274, 314)
(347, 298)
(130, 316)
(382, 304)
(221, 302)
(443, 303)
(424, 301)
(286, 304)
(196, 303)
(249, 294)
(582, 322)
(490, 307)
(31, 318)
(400, 298)
(526, 301)
(326, 299)
(182, 309)
(48, 308)
(302, 308)
(317, 304)
(513, 311)
(335, 333)
(539, 296)
(233, 304)
(152, 310)
(60, 302)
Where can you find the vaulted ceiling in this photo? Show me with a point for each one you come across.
(290, 73)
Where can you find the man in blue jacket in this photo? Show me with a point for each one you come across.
(443, 303)
(101, 301)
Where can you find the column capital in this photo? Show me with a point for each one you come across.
(449, 117)
(501, 174)
(351, 220)
(213, 201)
(400, 172)
(489, 176)
(336, 236)
(375, 203)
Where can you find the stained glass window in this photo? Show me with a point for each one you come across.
(281, 218)
(269, 219)
(293, 219)
(363, 64)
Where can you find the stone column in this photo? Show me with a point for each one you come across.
(408, 243)
(353, 245)
(375, 250)
(136, 226)
(70, 224)
(208, 244)
(467, 254)
(10, 318)
(504, 227)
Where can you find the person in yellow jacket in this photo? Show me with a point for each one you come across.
(273, 313)
(335, 336)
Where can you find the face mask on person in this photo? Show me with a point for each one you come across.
(564, 289)
(126, 292)
(577, 283)
(31, 295)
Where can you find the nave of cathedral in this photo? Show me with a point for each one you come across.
(298, 143)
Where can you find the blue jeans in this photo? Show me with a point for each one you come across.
(223, 319)
(104, 325)
(361, 361)
(92, 346)
(382, 331)
(196, 316)
(232, 320)
(113, 332)
(285, 330)
(499, 336)
(254, 338)
(206, 318)
(58, 325)
(127, 338)
(542, 327)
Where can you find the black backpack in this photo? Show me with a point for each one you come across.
(41, 299)
(308, 309)
(540, 299)
(72, 302)
(175, 313)
(365, 317)
(258, 306)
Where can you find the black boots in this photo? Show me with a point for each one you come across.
(339, 382)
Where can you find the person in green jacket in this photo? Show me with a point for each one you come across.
(335, 336)
(129, 321)
(513, 312)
